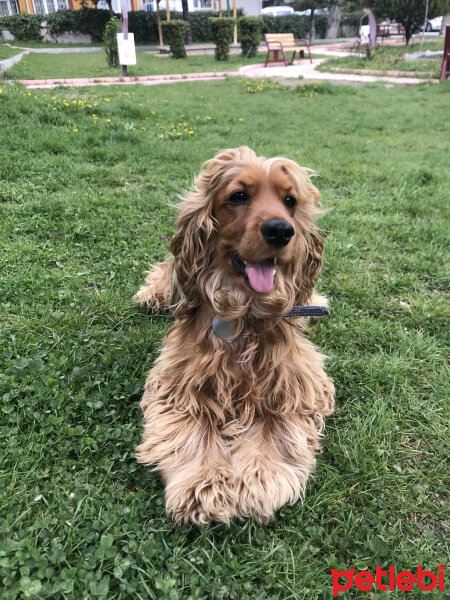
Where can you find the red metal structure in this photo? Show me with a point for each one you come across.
(445, 69)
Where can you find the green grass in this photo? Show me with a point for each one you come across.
(84, 213)
(386, 58)
(7, 52)
(43, 66)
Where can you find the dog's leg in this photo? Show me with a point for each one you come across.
(155, 294)
(192, 459)
(272, 462)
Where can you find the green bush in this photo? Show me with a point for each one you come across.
(222, 30)
(110, 41)
(250, 35)
(23, 26)
(174, 32)
(296, 24)
(87, 20)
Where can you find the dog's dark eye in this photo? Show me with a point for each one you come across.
(238, 198)
(290, 201)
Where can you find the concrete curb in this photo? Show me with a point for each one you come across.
(9, 62)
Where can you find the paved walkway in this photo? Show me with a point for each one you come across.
(303, 69)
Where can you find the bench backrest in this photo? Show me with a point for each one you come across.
(286, 39)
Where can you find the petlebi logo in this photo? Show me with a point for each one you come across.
(388, 579)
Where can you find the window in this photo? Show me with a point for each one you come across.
(8, 7)
(39, 7)
(43, 7)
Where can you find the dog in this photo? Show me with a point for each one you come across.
(234, 406)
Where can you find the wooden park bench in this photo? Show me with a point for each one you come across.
(280, 43)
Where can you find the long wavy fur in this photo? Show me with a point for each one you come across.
(233, 428)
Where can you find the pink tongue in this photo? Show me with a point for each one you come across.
(260, 276)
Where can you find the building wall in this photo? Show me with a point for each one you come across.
(251, 8)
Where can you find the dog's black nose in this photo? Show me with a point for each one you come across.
(277, 233)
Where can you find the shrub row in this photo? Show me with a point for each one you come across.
(144, 26)
(22, 26)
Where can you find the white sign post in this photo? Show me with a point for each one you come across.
(125, 44)
(127, 51)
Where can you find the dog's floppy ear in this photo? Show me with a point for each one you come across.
(193, 243)
(313, 243)
(311, 264)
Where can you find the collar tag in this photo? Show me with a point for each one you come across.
(226, 330)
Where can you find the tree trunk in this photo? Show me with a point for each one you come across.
(334, 19)
(312, 26)
(111, 12)
(187, 18)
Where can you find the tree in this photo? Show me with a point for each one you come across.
(410, 13)
(334, 19)
(335, 8)
(312, 6)
(186, 17)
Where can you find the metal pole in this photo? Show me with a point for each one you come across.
(235, 22)
(125, 33)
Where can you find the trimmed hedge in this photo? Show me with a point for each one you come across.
(250, 35)
(23, 26)
(222, 30)
(174, 32)
(144, 26)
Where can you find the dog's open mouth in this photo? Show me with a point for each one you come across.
(258, 275)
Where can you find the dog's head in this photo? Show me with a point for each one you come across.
(246, 241)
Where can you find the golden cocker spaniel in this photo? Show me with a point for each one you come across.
(234, 406)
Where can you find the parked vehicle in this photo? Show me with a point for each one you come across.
(277, 11)
(434, 24)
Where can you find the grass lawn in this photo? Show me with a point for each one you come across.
(7, 52)
(43, 66)
(387, 58)
(86, 204)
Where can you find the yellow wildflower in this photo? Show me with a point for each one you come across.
(142, 128)
(108, 120)
(75, 130)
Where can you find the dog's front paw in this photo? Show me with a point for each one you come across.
(205, 498)
(150, 299)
